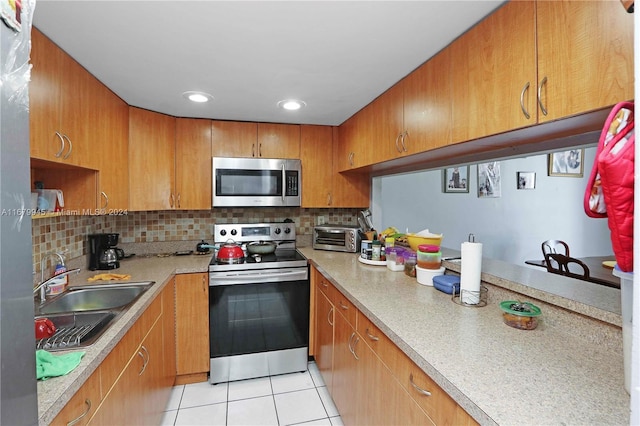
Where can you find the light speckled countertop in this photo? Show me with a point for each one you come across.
(559, 373)
(53, 394)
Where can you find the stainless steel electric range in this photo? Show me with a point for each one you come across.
(258, 306)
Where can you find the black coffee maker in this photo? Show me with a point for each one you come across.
(102, 251)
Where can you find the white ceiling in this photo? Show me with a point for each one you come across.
(337, 56)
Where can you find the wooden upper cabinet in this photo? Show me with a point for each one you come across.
(493, 69)
(233, 139)
(193, 164)
(62, 96)
(151, 160)
(352, 150)
(112, 149)
(278, 140)
(316, 149)
(386, 125)
(427, 105)
(585, 52)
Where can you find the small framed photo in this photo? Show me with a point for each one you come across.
(489, 180)
(568, 163)
(455, 179)
(526, 180)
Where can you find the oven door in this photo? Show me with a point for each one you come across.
(259, 323)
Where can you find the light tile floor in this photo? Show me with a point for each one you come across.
(288, 399)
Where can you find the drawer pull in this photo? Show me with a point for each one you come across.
(87, 402)
(343, 306)
(324, 284)
(418, 388)
(371, 336)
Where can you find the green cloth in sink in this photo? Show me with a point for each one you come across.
(49, 365)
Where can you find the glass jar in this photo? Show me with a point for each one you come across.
(410, 261)
(375, 250)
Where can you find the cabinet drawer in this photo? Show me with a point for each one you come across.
(82, 405)
(429, 396)
(377, 341)
(324, 285)
(344, 306)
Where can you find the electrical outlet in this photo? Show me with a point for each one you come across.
(320, 220)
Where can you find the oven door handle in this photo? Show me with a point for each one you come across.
(253, 277)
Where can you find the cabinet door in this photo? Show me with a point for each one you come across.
(234, 139)
(112, 145)
(44, 97)
(193, 164)
(151, 160)
(345, 371)
(324, 336)
(278, 140)
(352, 149)
(169, 332)
(192, 324)
(386, 125)
(351, 189)
(492, 64)
(595, 66)
(155, 392)
(316, 153)
(82, 406)
(427, 105)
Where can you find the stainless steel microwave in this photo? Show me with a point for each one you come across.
(345, 238)
(256, 182)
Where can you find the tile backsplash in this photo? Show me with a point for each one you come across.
(68, 233)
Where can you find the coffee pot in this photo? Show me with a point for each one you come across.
(102, 252)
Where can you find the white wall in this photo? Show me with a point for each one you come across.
(511, 227)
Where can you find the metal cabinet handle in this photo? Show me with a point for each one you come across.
(146, 360)
(355, 342)
(522, 106)
(172, 199)
(371, 336)
(329, 316)
(398, 148)
(351, 156)
(204, 283)
(343, 306)
(418, 388)
(253, 149)
(324, 284)
(62, 143)
(87, 402)
(349, 342)
(329, 199)
(542, 108)
(260, 150)
(106, 199)
(178, 202)
(404, 134)
(70, 147)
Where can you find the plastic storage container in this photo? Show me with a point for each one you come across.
(425, 276)
(410, 261)
(626, 294)
(429, 256)
(395, 259)
(447, 283)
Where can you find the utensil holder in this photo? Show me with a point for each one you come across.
(481, 295)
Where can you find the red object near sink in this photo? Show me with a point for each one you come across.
(44, 328)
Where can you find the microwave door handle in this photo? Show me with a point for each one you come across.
(284, 182)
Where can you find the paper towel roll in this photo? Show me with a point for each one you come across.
(470, 270)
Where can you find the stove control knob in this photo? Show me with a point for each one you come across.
(277, 231)
(287, 230)
(223, 232)
(234, 232)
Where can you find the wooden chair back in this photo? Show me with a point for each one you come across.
(558, 263)
(555, 246)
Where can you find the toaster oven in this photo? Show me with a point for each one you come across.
(337, 238)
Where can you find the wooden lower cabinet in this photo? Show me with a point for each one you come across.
(133, 383)
(192, 328)
(371, 381)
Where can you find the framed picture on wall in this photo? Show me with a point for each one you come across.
(455, 179)
(568, 163)
(489, 182)
(526, 180)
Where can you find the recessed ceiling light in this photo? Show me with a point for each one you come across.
(199, 97)
(291, 104)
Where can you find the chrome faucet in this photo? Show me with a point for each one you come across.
(44, 284)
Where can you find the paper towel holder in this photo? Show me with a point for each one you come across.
(481, 296)
(472, 238)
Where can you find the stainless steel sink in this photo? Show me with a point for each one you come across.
(76, 330)
(95, 297)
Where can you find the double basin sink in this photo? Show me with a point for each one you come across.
(84, 313)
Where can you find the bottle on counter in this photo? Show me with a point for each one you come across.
(375, 249)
